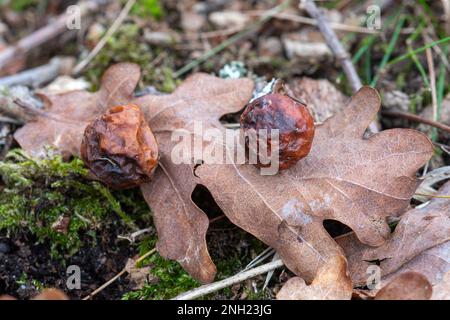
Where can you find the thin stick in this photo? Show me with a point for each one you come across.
(215, 286)
(432, 86)
(116, 24)
(217, 218)
(432, 195)
(117, 276)
(106, 284)
(43, 34)
(32, 113)
(145, 255)
(334, 44)
(39, 75)
(312, 22)
(338, 50)
(416, 118)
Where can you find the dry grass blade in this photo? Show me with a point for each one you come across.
(117, 276)
(117, 23)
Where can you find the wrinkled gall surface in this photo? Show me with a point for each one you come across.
(290, 117)
(119, 147)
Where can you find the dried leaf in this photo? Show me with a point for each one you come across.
(138, 276)
(356, 181)
(69, 113)
(441, 291)
(46, 294)
(331, 283)
(407, 286)
(181, 225)
(433, 263)
(51, 294)
(323, 98)
(419, 229)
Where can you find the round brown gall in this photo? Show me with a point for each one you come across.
(286, 114)
(119, 148)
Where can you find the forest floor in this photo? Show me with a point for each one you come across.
(169, 40)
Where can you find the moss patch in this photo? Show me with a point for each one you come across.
(126, 46)
(38, 193)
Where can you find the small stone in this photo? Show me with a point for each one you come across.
(4, 248)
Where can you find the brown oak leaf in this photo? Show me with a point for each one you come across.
(407, 286)
(420, 243)
(69, 113)
(345, 177)
(433, 263)
(181, 225)
(323, 98)
(441, 291)
(331, 283)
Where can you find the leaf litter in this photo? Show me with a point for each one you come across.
(348, 178)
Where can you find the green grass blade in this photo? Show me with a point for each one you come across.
(389, 50)
(419, 50)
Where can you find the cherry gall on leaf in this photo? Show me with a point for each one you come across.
(119, 148)
(290, 116)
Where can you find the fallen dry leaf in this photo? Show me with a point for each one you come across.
(323, 98)
(46, 294)
(138, 276)
(69, 113)
(433, 263)
(356, 181)
(51, 294)
(408, 286)
(419, 229)
(441, 291)
(331, 283)
(181, 225)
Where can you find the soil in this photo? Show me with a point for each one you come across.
(22, 257)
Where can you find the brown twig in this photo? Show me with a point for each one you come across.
(117, 276)
(25, 112)
(313, 22)
(10, 110)
(43, 34)
(334, 43)
(416, 118)
(216, 218)
(338, 50)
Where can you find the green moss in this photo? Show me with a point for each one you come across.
(126, 46)
(259, 295)
(24, 280)
(19, 5)
(145, 8)
(171, 279)
(37, 193)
